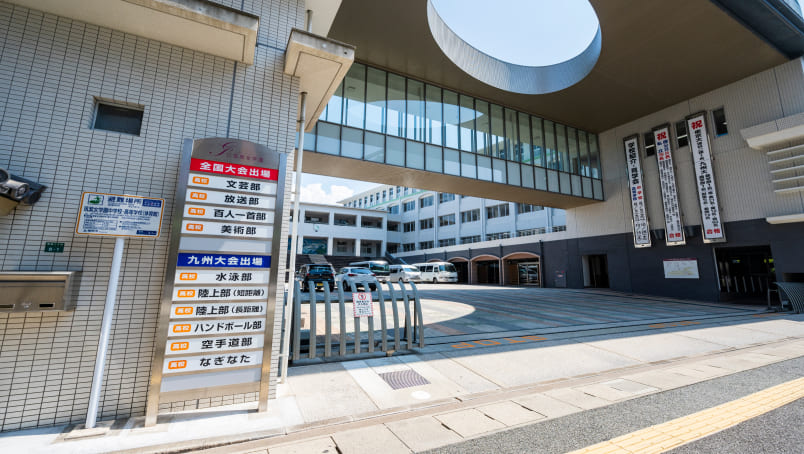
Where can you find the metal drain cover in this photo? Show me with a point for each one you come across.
(403, 379)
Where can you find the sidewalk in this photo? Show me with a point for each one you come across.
(450, 392)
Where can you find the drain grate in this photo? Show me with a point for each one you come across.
(403, 379)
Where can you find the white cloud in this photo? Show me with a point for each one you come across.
(315, 193)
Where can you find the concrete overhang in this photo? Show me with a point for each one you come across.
(775, 133)
(356, 169)
(320, 64)
(654, 54)
(324, 12)
(193, 24)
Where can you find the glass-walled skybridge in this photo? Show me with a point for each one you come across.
(398, 130)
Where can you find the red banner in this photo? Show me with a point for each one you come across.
(236, 170)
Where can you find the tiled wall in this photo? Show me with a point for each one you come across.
(50, 70)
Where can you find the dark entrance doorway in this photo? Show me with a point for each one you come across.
(463, 271)
(745, 273)
(595, 271)
(488, 272)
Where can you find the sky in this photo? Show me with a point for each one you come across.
(530, 36)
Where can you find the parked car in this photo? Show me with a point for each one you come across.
(378, 267)
(404, 273)
(436, 272)
(316, 275)
(362, 277)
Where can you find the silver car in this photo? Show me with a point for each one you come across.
(362, 277)
(405, 273)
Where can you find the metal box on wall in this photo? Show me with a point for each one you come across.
(36, 291)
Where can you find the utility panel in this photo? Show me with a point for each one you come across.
(36, 291)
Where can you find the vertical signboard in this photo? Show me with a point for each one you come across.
(638, 210)
(711, 224)
(218, 303)
(674, 229)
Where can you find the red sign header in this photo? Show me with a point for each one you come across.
(237, 170)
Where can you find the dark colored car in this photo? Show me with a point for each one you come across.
(316, 275)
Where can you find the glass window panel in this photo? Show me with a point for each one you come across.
(583, 144)
(415, 117)
(396, 151)
(395, 116)
(498, 170)
(561, 146)
(355, 95)
(540, 178)
(483, 128)
(587, 187)
(433, 112)
(598, 185)
(467, 127)
(483, 168)
(511, 136)
(334, 106)
(434, 158)
(309, 139)
(497, 132)
(594, 157)
(527, 176)
(352, 143)
(564, 179)
(537, 136)
(522, 152)
(552, 181)
(415, 155)
(329, 138)
(550, 152)
(452, 162)
(451, 119)
(572, 141)
(576, 185)
(375, 147)
(513, 173)
(468, 168)
(375, 99)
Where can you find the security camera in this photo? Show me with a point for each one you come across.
(19, 189)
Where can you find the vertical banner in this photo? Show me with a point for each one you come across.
(638, 210)
(711, 224)
(674, 229)
(219, 297)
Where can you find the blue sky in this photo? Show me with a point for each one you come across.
(525, 32)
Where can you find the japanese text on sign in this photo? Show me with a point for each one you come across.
(707, 194)
(638, 209)
(363, 307)
(119, 215)
(674, 233)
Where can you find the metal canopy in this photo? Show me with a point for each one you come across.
(655, 54)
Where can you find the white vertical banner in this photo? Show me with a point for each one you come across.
(638, 210)
(674, 228)
(711, 223)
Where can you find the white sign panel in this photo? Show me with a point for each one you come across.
(228, 199)
(224, 229)
(681, 269)
(119, 215)
(214, 344)
(712, 226)
(363, 307)
(217, 310)
(231, 184)
(182, 328)
(228, 214)
(674, 229)
(638, 209)
(218, 293)
(227, 360)
(199, 276)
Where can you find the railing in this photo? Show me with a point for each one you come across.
(398, 338)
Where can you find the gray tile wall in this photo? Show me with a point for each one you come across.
(50, 70)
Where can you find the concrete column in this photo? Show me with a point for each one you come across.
(330, 246)
(357, 247)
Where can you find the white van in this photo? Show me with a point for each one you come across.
(436, 272)
(378, 267)
(404, 273)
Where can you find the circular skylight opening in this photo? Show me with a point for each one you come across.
(522, 46)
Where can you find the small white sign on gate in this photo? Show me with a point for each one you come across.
(363, 307)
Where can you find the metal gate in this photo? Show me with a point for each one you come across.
(397, 338)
